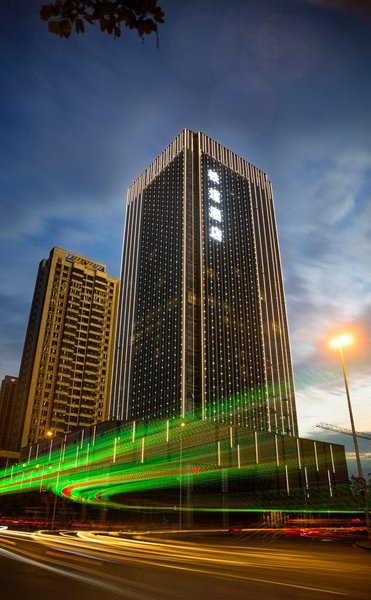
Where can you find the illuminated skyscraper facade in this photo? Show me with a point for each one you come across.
(65, 375)
(202, 328)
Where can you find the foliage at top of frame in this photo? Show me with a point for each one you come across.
(64, 16)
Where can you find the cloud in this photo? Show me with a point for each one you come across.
(238, 94)
(286, 46)
(347, 441)
(324, 222)
(362, 7)
(334, 188)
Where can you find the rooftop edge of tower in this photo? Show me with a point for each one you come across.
(185, 139)
(72, 257)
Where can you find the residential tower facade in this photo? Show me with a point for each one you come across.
(8, 425)
(65, 374)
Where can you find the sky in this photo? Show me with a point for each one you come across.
(285, 84)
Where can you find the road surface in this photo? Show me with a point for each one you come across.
(104, 566)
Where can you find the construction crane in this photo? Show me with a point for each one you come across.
(365, 434)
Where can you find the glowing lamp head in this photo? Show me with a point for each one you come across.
(49, 433)
(182, 424)
(341, 341)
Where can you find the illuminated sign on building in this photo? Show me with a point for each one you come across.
(215, 214)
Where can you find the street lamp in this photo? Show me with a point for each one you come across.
(339, 343)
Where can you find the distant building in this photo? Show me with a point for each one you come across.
(8, 424)
(65, 374)
(202, 327)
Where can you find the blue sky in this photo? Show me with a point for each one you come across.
(283, 83)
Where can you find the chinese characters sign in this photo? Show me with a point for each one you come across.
(214, 206)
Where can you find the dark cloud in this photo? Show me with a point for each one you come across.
(362, 7)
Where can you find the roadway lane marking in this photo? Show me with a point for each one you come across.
(81, 578)
(8, 542)
(291, 585)
(242, 578)
(140, 596)
(74, 556)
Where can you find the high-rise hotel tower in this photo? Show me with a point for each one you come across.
(202, 327)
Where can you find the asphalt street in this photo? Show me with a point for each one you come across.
(74, 565)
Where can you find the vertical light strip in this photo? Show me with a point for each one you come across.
(277, 455)
(315, 455)
(256, 447)
(287, 480)
(114, 450)
(142, 457)
(87, 454)
(219, 458)
(263, 288)
(184, 281)
(167, 430)
(271, 283)
(231, 437)
(306, 482)
(77, 456)
(29, 453)
(37, 451)
(41, 479)
(133, 435)
(50, 449)
(116, 410)
(298, 451)
(94, 434)
(287, 374)
(238, 457)
(193, 255)
(82, 438)
(200, 138)
(332, 459)
(329, 482)
(134, 275)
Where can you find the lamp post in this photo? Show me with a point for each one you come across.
(182, 425)
(339, 343)
(49, 435)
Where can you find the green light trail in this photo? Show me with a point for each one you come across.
(143, 457)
